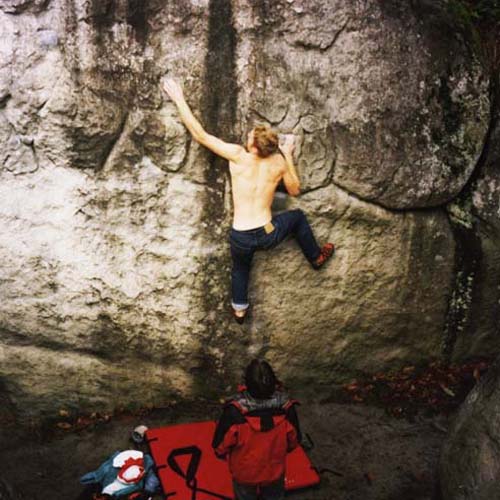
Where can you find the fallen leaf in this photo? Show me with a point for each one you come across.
(352, 386)
(447, 390)
(64, 425)
(83, 421)
(369, 477)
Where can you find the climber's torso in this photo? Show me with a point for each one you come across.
(254, 181)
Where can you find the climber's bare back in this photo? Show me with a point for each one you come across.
(254, 177)
(254, 181)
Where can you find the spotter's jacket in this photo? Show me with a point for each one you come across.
(255, 435)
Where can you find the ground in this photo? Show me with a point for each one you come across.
(375, 456)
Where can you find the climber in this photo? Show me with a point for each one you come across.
(255, 174)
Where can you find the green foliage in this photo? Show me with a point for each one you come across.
(481, 19)
(475, 13)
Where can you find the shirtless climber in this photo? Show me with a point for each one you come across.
(255, 174)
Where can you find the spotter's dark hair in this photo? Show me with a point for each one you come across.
(260, 379)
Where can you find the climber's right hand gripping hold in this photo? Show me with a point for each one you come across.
(228, 151)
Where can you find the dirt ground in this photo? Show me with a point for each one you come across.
(375, 456)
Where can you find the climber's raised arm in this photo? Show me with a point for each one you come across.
(290, 177)
(228, 151)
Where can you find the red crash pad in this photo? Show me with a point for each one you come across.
(185, 450)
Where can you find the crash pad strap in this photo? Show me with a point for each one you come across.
(192, 469)
(194, 463)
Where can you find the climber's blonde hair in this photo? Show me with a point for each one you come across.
(265, 140)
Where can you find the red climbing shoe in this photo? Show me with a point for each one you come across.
(326, 253)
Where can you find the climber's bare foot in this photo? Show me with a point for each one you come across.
(239, 316)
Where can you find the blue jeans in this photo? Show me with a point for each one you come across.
(274, 491)
(245, 243)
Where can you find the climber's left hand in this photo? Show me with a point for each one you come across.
(173, 89)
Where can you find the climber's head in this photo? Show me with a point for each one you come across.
(263, 141)
(260, 379)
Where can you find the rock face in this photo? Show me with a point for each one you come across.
(399, 133)
(370, 300)
(6, 492)
(473, 318)
(115, 263)
(470, 459)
